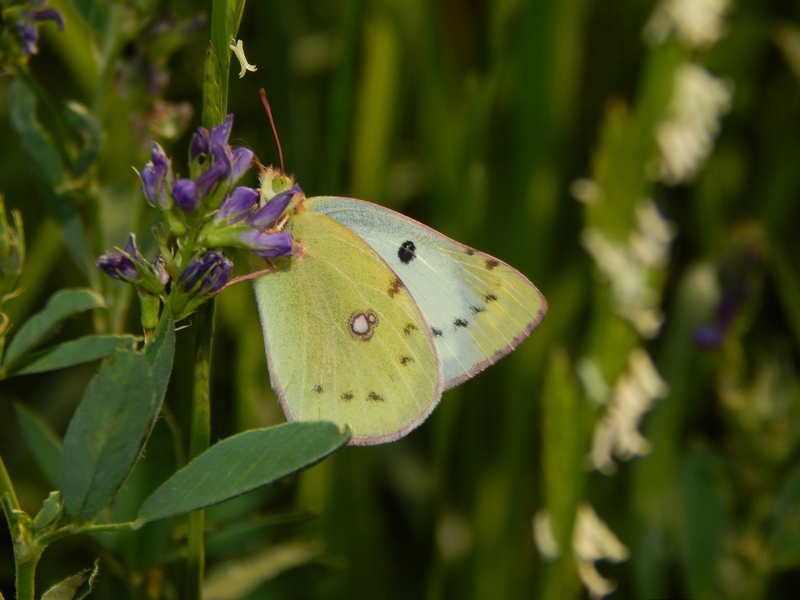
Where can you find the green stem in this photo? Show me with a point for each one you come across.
(199, 441)
(72, 529)
(26, 552)
(26, 574)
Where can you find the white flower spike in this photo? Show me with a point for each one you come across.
(238, 50)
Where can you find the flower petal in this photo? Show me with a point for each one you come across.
(242, 159)
(221, 133)
(267, 245)
(184, 192)
(273, 209)
(236, 206)
(207, 274)
(118, 266)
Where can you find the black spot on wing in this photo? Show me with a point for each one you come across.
(347, 396)
(404, 360)
(409, 328)
(470, 251)
(436, 332)
(374, 397)
(477, 309)
(490, 298)
(460, 322)
(406, 252)
(491, 263)
(318, 388)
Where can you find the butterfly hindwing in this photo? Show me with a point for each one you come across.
(478, 309)
(346, 342)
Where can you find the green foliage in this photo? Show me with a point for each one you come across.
(242, 463)
(484, 120)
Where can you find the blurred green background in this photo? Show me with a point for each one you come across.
(476, 118)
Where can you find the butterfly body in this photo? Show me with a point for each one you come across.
(376, 314)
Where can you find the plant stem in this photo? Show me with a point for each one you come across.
(199, 442)
(26, 575)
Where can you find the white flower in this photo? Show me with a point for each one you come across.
(697, 23)
(626, 266)
(686, 138)
(544, 537)
(586, 190)
(594, 384)
(592, 540)
(238, 50)
(617, 433)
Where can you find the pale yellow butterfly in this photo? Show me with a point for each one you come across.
(374, 315)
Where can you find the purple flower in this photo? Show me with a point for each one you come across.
(207, 274)
(273, 209)
(237, 205)
(185, 195)
(267, 245)
(242, 159)
(220, 134)
(200, 145)
(118, 266)
(28, 30)
(713, 336)
(130, 265)
(157, 178)
(28, 34)
(206, 182)
(215, 167)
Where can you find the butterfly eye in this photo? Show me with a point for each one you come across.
(406, 252)
(281, 184)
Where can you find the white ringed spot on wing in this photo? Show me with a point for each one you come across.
(362, 324)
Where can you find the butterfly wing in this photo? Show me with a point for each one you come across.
(478, 308)
(344, 342)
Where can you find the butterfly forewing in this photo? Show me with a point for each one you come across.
(478, 309)
(346, 341)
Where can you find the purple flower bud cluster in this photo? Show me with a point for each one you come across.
(27, 25)
(241, 222)
(129, 265)
(202, 213)
(221, 166)
(207, 274)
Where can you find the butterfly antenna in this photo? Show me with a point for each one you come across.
(265, 102)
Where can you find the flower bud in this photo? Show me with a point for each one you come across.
(207, 274)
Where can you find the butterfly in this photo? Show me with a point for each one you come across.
(374, 315)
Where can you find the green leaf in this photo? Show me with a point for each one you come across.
(42, 325)
(242, 576)
(49, 173)
(105, 436)
(84, 122)
(35, 142)
(704, 488)
(242, 463)
(74, 587)
(74, 352)
(43, 442)
(50, 512)
(785, 532)
(95, 13)
(159, 352)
